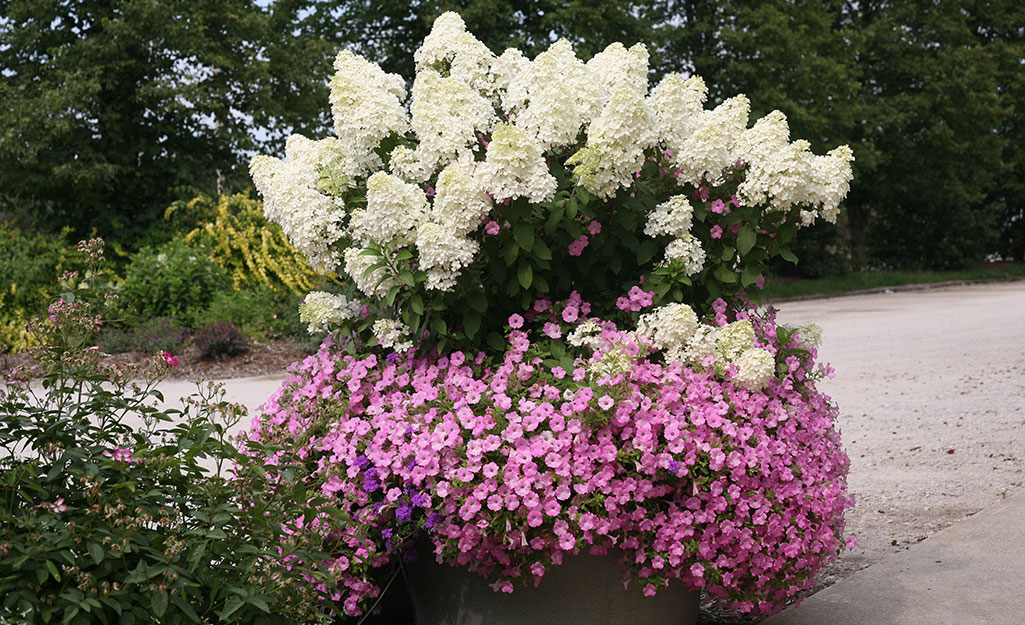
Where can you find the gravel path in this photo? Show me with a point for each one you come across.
(931, 390)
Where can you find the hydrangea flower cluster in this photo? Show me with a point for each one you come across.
(725, 475)
(417, 200)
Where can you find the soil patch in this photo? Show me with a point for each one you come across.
(264, 358)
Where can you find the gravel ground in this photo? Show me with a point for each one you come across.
(931, 390)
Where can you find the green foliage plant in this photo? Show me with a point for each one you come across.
(115, 510)
(174, 279)
(253, 250)
(29, 263)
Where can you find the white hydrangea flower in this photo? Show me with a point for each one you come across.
(706, 152)
(447, 115)
(760, 146)
(701, 345)
(585, 335)
(506, 68)
(406, 164)
(783, 174)
(616, 141)
(554, 97)
(393, 334)
(669, 328)
(755, 369)
(394, 209)
(617, 66)
(687, 250)
(677, 105)
(312, 220)
(460, 202)
(733, 339)
(831, 177)
(453, 52)
(443, 253)
(515, 167)
(377, 283)
(673, 217)
(325, 311)
(613, 362)
(367, 106)
(810, 334)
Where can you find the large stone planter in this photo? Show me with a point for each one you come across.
(584, 590)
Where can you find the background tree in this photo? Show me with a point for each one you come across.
(110, 110)
(919, 89)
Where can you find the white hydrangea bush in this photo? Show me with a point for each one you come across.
(447, 201)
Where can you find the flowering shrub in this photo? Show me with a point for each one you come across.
(727, 475)
(172, 280)
(115, 510)
(241, 240)
(546, 344)
(511, 177)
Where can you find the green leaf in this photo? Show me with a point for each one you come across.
(439, 326)
(525, 275)
(750, 275)
(510, 254)
(53, 570)
(584, 196)
(471, 323)
(417, 304)
(495, 341)
(185, 607)
(554, 217)
(746, 240)
(158, 602)
(725, 274)
(404, 255)
(788, 255)
(541, 251)
(372, 268)
(646, 251)
(392, 292)
(230, 607)
(260, 603)
(69, 614)
(524, 235)
(406, 277)
(96, 551)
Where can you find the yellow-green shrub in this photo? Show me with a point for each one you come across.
(240, 239)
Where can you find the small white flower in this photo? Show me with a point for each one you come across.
(393, 334)
(755, 369)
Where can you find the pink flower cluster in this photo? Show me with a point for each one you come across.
(636, 299)
(510, 465)
(576, 248)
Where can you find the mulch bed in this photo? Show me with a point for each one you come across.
(264, 358)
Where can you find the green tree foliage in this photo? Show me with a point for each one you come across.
(923, 91)
(387, 31)
(110, 110)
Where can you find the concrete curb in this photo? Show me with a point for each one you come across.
(901, 288)
(970, 572)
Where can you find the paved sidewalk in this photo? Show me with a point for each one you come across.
(972, 573)
(251, 392)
